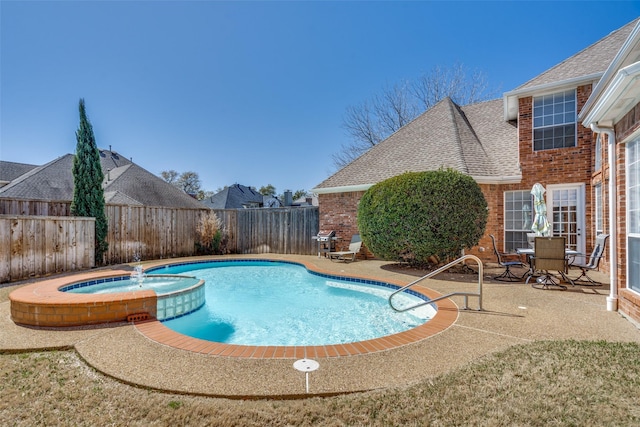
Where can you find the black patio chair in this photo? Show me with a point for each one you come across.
(507, 261)
(594, 261)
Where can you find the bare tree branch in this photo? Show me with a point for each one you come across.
(395, 108)
(372, 121)
(169, 176)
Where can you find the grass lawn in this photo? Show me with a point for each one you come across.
(544, 383)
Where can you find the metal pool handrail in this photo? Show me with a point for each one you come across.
(438, 271)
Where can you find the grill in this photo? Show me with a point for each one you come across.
(326, 242)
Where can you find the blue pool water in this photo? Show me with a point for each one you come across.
(161, 284)
(282, 304)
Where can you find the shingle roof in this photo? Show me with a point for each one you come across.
(11, 170)
(594, 59)
(586, 66)
(52, 181)
(234, 197)
(473, 139)
(146, 188)
(125, 183)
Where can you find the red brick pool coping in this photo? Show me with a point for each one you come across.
(42, 304)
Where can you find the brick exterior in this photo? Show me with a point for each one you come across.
(628, 300)
(567, 165)
(338, 211)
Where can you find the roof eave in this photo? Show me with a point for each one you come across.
(511, 97)
(342, 189)
(507, 179)
(611, 104)
(609, 74)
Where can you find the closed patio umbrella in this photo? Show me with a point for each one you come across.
(540, 223)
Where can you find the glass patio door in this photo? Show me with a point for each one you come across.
(565, 209)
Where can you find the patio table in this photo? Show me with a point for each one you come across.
(529, 253)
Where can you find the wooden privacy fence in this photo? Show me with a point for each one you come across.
(145, 232)
(271, 230)
(34, 207)
(39, 245)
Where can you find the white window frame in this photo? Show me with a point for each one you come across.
(632, 191)
(553, 116)
(598, 156)
(517, 214)
(598, 220)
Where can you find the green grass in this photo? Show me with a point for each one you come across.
(574, 383)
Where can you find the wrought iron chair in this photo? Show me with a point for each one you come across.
(507, 261)
(594, 260)
(549, 255)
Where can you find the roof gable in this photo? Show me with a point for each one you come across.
(146, 188)
(235, 196)
(472, 139)
(592, 60)
(619, 88)
(586, 66)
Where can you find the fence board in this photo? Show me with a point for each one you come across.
(142, 232)
(33, 245)
(274, 230)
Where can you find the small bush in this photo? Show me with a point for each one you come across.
(422, 217)
(211, 235)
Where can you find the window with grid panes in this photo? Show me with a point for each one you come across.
(598, 160)
(633, 214)
(554, 120)
(518, 211)
(599, 212)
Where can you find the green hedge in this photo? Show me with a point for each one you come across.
(417, 216)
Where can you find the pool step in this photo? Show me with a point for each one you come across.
(138, 317)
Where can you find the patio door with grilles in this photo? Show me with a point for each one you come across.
(565, 209)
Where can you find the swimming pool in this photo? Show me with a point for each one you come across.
(267, 303)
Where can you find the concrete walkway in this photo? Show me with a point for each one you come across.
(514, 313)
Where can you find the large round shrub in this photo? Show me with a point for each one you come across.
(418, 215)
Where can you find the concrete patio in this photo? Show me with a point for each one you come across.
(514, 313)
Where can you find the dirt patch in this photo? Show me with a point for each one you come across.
(458, 273)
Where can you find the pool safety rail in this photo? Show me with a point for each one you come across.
(438, 271)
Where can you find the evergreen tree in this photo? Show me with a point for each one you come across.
(88, 194)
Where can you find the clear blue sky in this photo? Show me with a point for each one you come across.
(253, 92)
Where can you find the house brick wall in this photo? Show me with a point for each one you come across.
(559, 166)
(628, 300)
(339, 212)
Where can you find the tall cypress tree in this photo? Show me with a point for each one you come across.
(88, 194)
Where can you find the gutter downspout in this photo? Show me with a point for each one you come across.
(612, 299)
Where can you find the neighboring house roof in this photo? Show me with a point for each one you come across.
(146, 188)
(586, 66)
(124, 183)
(118, 198)
(306, 201)
(52, 181)
(473, 139)
(234, 197)
(11, 170)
